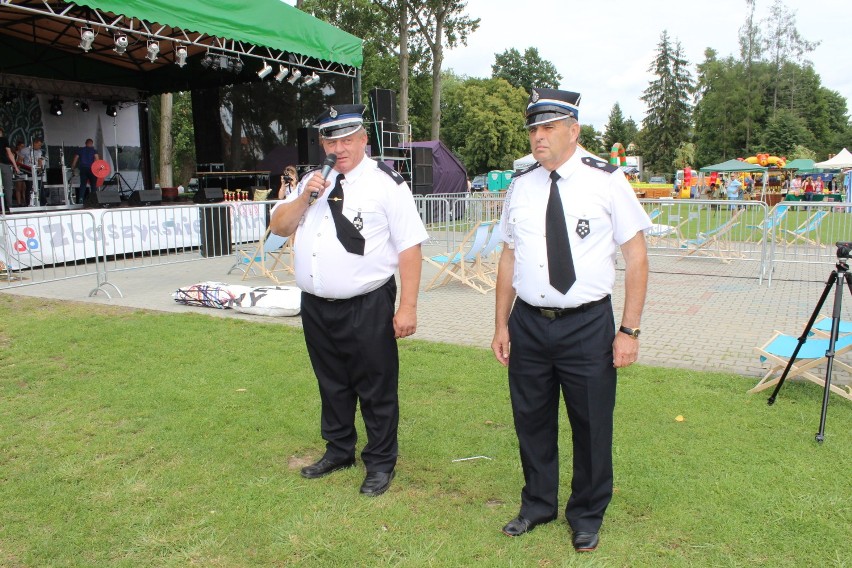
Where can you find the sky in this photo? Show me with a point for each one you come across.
(603, 48)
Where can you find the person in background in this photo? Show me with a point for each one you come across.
(33, 158)
(20, 185)
(289, 181)
(563, 221)
(796, 185)
(86, 156)
(818, 184)
(8, 164)
(808, 189)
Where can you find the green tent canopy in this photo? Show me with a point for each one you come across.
(733, 166)
(799, 164)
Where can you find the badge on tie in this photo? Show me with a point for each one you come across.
(583, 228)
(358, 222)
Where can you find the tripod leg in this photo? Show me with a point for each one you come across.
(835, 332)
(804, 337)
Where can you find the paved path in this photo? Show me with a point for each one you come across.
(701, 322)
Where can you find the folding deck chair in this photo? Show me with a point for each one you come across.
(270, 246)
(485, 263)
(460, 264)
(808, 227)
(709, 243)
(778, 350)
(770, 225)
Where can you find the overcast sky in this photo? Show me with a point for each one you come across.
(603, 48)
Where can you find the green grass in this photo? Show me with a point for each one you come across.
(132, 438)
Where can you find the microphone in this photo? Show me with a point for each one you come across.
(327, 166)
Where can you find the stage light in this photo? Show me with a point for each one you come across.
(120, 44)
(294, 77)
(310, 80)
(180, 56)
(282, 72)
(56, 106)
(8, 99)
(224, 62)
(153, 51)
(77, 103)
(87, 38)
(111, 109)
(84, 106)
(237, 65)
(206, 61)
(265, 70)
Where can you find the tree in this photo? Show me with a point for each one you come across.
(484, 122)
(166, 140)
(667, 123)
(616, 129)
(591, 139)
(442, 23)
(685, 156)
(784, 132)
(750, 46)
(526, 71)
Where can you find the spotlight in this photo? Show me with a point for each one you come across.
(282, 72)
(180, 56)
(153, 51)
(313, 78)
(87, 38)
(120, 44)
(294, 77)
(265, 70)
(237, 65)
(206, 61)
(56, 106)
(84, 106)
(8, 99)
(77, 103)
(224, 62)
(111, 109)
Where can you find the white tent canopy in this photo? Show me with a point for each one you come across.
(523, 163)
(841, 160)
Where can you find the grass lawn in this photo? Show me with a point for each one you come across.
(134, 438)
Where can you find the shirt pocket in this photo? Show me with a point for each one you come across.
(586, 221)
(367, 217)
(519, 218)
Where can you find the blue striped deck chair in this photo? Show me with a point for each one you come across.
(270, 248)
(770, 225)
(808, 227)
(486, 261)
(777, 352)
(710, 242)
(822, 327)
(459, 264)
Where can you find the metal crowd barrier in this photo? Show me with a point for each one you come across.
(449, 216)
(47, 247)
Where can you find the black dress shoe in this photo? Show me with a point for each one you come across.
(520, 525)
(376, 482)
(585, 541)
(324, 467)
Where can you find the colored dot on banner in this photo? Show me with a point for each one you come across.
(32, 244)
(20, 246)
(29, 232)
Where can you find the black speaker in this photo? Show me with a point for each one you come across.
(422, 189)
(383, 103)
(209, 195)
(146, 197)
(53, 176)
(422, 156)
(215, 231)
(310, 149)
(55, 195)
(423, 175)
(103, 199)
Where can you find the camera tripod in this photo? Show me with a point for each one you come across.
(837, 277)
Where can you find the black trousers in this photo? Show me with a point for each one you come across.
(354, 355)
(572, 354)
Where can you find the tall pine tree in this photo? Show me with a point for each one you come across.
(667, 123)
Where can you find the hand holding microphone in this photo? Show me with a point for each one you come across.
(327, 166)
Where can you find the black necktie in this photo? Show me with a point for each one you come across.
(350, 237)
(560, 263)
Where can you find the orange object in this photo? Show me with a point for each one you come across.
(100, 168)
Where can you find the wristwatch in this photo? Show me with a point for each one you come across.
(634, 333)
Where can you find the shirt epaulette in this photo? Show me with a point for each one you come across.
(525, 171)
(391, 172)
(599, 165)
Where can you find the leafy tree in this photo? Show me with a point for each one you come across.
(685, 156)
(631, 132)
(441, 23)
(484, 122)
(751, 42)
(182, 135)
(667, 123)
(526, 71)
(803, 152)
(591, 140)
(784, 132)
(722, 119)
(616, 128)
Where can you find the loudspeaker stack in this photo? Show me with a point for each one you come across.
(422, 170)
(310, 149)
(145, 197)
(103, 199)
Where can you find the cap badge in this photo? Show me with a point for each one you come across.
(332, 112)
(535, 96)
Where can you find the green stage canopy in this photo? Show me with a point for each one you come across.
(733, 166)
(267, 23)
(799, 164)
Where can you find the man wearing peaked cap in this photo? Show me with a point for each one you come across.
(563, 220)
(349, 242)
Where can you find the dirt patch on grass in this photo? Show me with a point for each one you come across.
(298, 462)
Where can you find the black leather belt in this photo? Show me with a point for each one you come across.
(556, 313)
